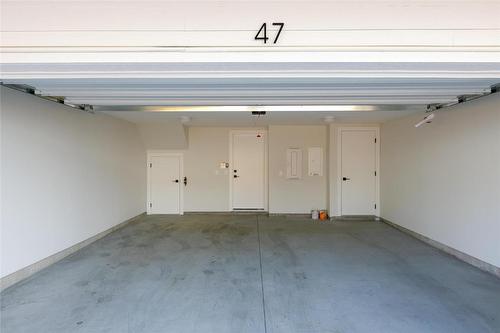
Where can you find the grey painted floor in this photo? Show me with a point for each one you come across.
(208, 273)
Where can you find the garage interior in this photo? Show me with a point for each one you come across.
(162, 170)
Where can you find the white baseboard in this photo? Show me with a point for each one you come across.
(482, 265)
(28, 271)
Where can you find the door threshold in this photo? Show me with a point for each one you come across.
(250, 211)
(232, 212)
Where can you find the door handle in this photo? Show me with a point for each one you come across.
(185, 181)
(175, 181)
(345, 178)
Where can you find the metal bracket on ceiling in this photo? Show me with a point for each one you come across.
(495, 88)
(56, 99)
(258, 113)
(463, 98)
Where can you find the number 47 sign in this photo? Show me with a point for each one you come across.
(262, 34)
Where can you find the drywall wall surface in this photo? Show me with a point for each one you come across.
(296, 195)
(164, 135)
(442, 180)
(208, 185)
(66, 176)
(334, 191)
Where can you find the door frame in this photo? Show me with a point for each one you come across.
(265, 166)
(340, 130)
(157, 153)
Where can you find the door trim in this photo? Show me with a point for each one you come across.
(156, 153)
(340, 130)
(230, 174)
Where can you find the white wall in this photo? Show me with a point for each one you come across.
(66, 176)
(296, 195)
(234, 23)
(442, 180)
(164, 135)
(208, 187)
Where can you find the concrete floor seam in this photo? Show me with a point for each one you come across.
(261, 276)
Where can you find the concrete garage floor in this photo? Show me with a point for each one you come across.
(247, 273)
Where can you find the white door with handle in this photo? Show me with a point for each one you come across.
(164, 184)
(358, 172)
(247, 173)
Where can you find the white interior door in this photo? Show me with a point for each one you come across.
(248, 170)
(164, 184)
(358, 172)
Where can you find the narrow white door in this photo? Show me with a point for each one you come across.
(358, 169)
(164, 185)
(248, 170)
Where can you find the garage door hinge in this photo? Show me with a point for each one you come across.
(375, 140)
(150, 165)
(375, 206)
(375, 173)
(150, 205)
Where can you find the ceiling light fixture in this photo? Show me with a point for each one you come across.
(259, 108)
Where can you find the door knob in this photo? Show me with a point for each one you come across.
(345, 178)
(176, 181)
